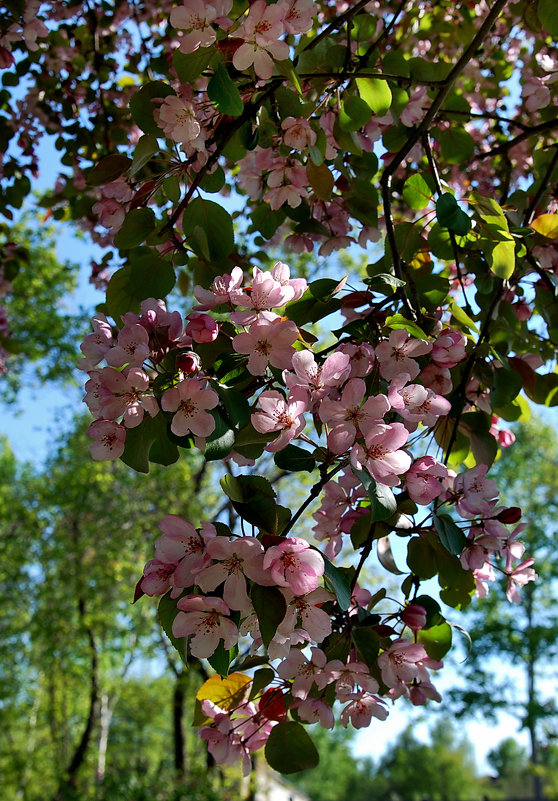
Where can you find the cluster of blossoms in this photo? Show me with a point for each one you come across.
(359, 410)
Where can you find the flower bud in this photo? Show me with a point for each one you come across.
(414, 616)
(188, 362)
(510, 515)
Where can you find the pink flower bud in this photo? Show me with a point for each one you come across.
(188, 362)
(202, 328)
(414, 616)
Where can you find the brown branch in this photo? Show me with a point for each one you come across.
(549, 125)
(336, 24)
(424, 127)
(545, 180)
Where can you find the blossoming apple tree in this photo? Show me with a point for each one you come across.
(426, 128)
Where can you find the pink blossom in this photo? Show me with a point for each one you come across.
(423, 480)
(190, 401)
(298, 15)
(449, 348)
(265, 294)
(197, 17)
(282, 275)
(476, 494)
(348, 676)
(287, 184)
(156, 578)
(414, 616)
(294, 564)
(519, 577)
(306, 608)
(381, 455)
(206, 618)
(234, 560)
(278, 414)
(349, 416)
(111, 438)
(404, 661)
(224, 289)
(184, 547)
(314, 710)
(132, 348)
(304, 671)
(267, 342)
(362, 709)
(361, 356)
(396, 355)
(177, 118)
(95, 345)
(436, 378)
(261, 30)
(297, 133)
(125, 394)
(414, 110)
(202, 328)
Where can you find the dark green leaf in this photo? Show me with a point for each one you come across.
(224, 94)
(190, 66)
(271, 607)
(221, 659)
(136, 227)
(289, 749)
(382, 499)
(166, 613)
(144, 278)
(262, 678)
(354, 113)
(295, 459)
(216, 224)
(367, 643)
(450, 216)
(142, 105)
(144, 150)
(339, 583)
(221, 442)
(546, 11)
(108, 169)
(416, 192)
(451, 536)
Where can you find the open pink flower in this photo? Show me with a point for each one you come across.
(184, 547)
(267, 342)
(397, 355)
(261, 30)
(303, 670)
(110, 440)
(381, 455)
(362, 709)
(349, 415)
(234, 560)
(190, 400)
(519, 577)
(278, 414)
(207, 619)
(294, 564)
(404, 661)
(423, 480)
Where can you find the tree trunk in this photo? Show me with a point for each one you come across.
(70, 778)
(178, 726)
(531, 717)
(105, 717)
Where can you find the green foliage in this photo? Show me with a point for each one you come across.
(43, 330)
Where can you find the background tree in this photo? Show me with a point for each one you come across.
(524, 636)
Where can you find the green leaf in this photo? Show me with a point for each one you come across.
(220, 443)
(421, 557)
(139, 441)
(108, 169)
(262, 678)
(397, 321)
(457, 145)
(221, 658)
(190, 66)
(253, 498)
(144, 150)
(271, 607)
(215, 222)
(354, 113)
(144, 278)
(339, 583)
(136, 227)
(501, 259)
(142, 105)
(289, 749)
(506, 386)
(295, 459)
(321, 180)
(416, 192)
(235, 403)
(224, 94)
(376, 94)
(546, 224)
(546, 11)
(166, 613)
(367, 643)
(450, 216)
(436, 640)
(382, 499)
(451, 536)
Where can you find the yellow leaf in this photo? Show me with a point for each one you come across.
(546, 225)
(227, 693)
